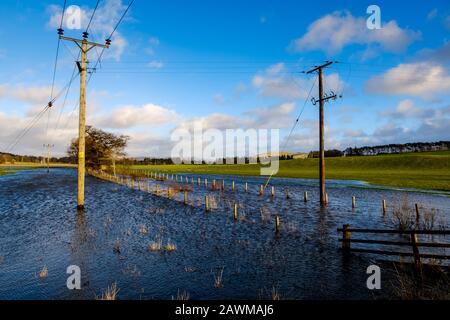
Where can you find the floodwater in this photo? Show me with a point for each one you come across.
(40, 227)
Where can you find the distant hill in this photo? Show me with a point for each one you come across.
(398, 148)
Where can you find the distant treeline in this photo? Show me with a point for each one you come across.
(159, 161)
(328, 154)
(398, 148)
(363, 151)
(13, 158)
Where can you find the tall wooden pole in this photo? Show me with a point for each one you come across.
(82, 127)
(321, 140)
(322, 100)
(84, 46)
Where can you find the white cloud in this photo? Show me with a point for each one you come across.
(332, 32)
(440, 55)
(106, 17)
(275, 117)
(447, 22)
(406, 109)
(154, 41)
(34, 95)
(133, 116)
(422, 79)
(432, 14)
(155, 64)
(275, 82)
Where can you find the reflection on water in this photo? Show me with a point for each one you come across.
(39, 226)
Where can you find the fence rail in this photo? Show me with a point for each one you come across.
(413, 242)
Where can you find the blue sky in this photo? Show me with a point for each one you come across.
(231, 64)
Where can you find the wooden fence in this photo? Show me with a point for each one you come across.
(411, 241)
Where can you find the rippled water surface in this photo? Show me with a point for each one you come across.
(39, 226)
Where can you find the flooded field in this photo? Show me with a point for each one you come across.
(215, 257)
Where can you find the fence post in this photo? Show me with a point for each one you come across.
(353, 202)
(235, 212)
(232, 186)
(246, 187)
(384, 206)
(277, 224)
(417, 213)
(206, 204)
(305, 196)
(346, 238)
(414, 243)
(273, 191)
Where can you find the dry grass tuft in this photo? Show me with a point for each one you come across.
(409, 286)
(218, 279)
(170, 247)
(110, 293)
(275, 294)
(189, 269)
(155, 246)
(143, 230)
(43, 273)
(404, 215)
(117, 246)
(265, 214)
(182, 296)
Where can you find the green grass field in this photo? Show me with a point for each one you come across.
(426, 170)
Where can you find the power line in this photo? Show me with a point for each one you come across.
(86, 33)
(37, 117)
(108, 40)
(294, 125)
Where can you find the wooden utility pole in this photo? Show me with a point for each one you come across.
(322, 100)
(85, 46)
(49, 153)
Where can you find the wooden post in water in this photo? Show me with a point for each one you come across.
(346, 238)
(206, 204)
(246, 187)
(353, 202)
(185, 198)
(232, 186)
(198, 181)
(235, 212)
(277, 224)
(305, 196)
(417, 214)
(326, 199)
(415, 245)
(384, 206)
(261, 190)
(223, 185)
(287, 193)
(206, 183)
(156, 190)
(214, 184)
(273, 192)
